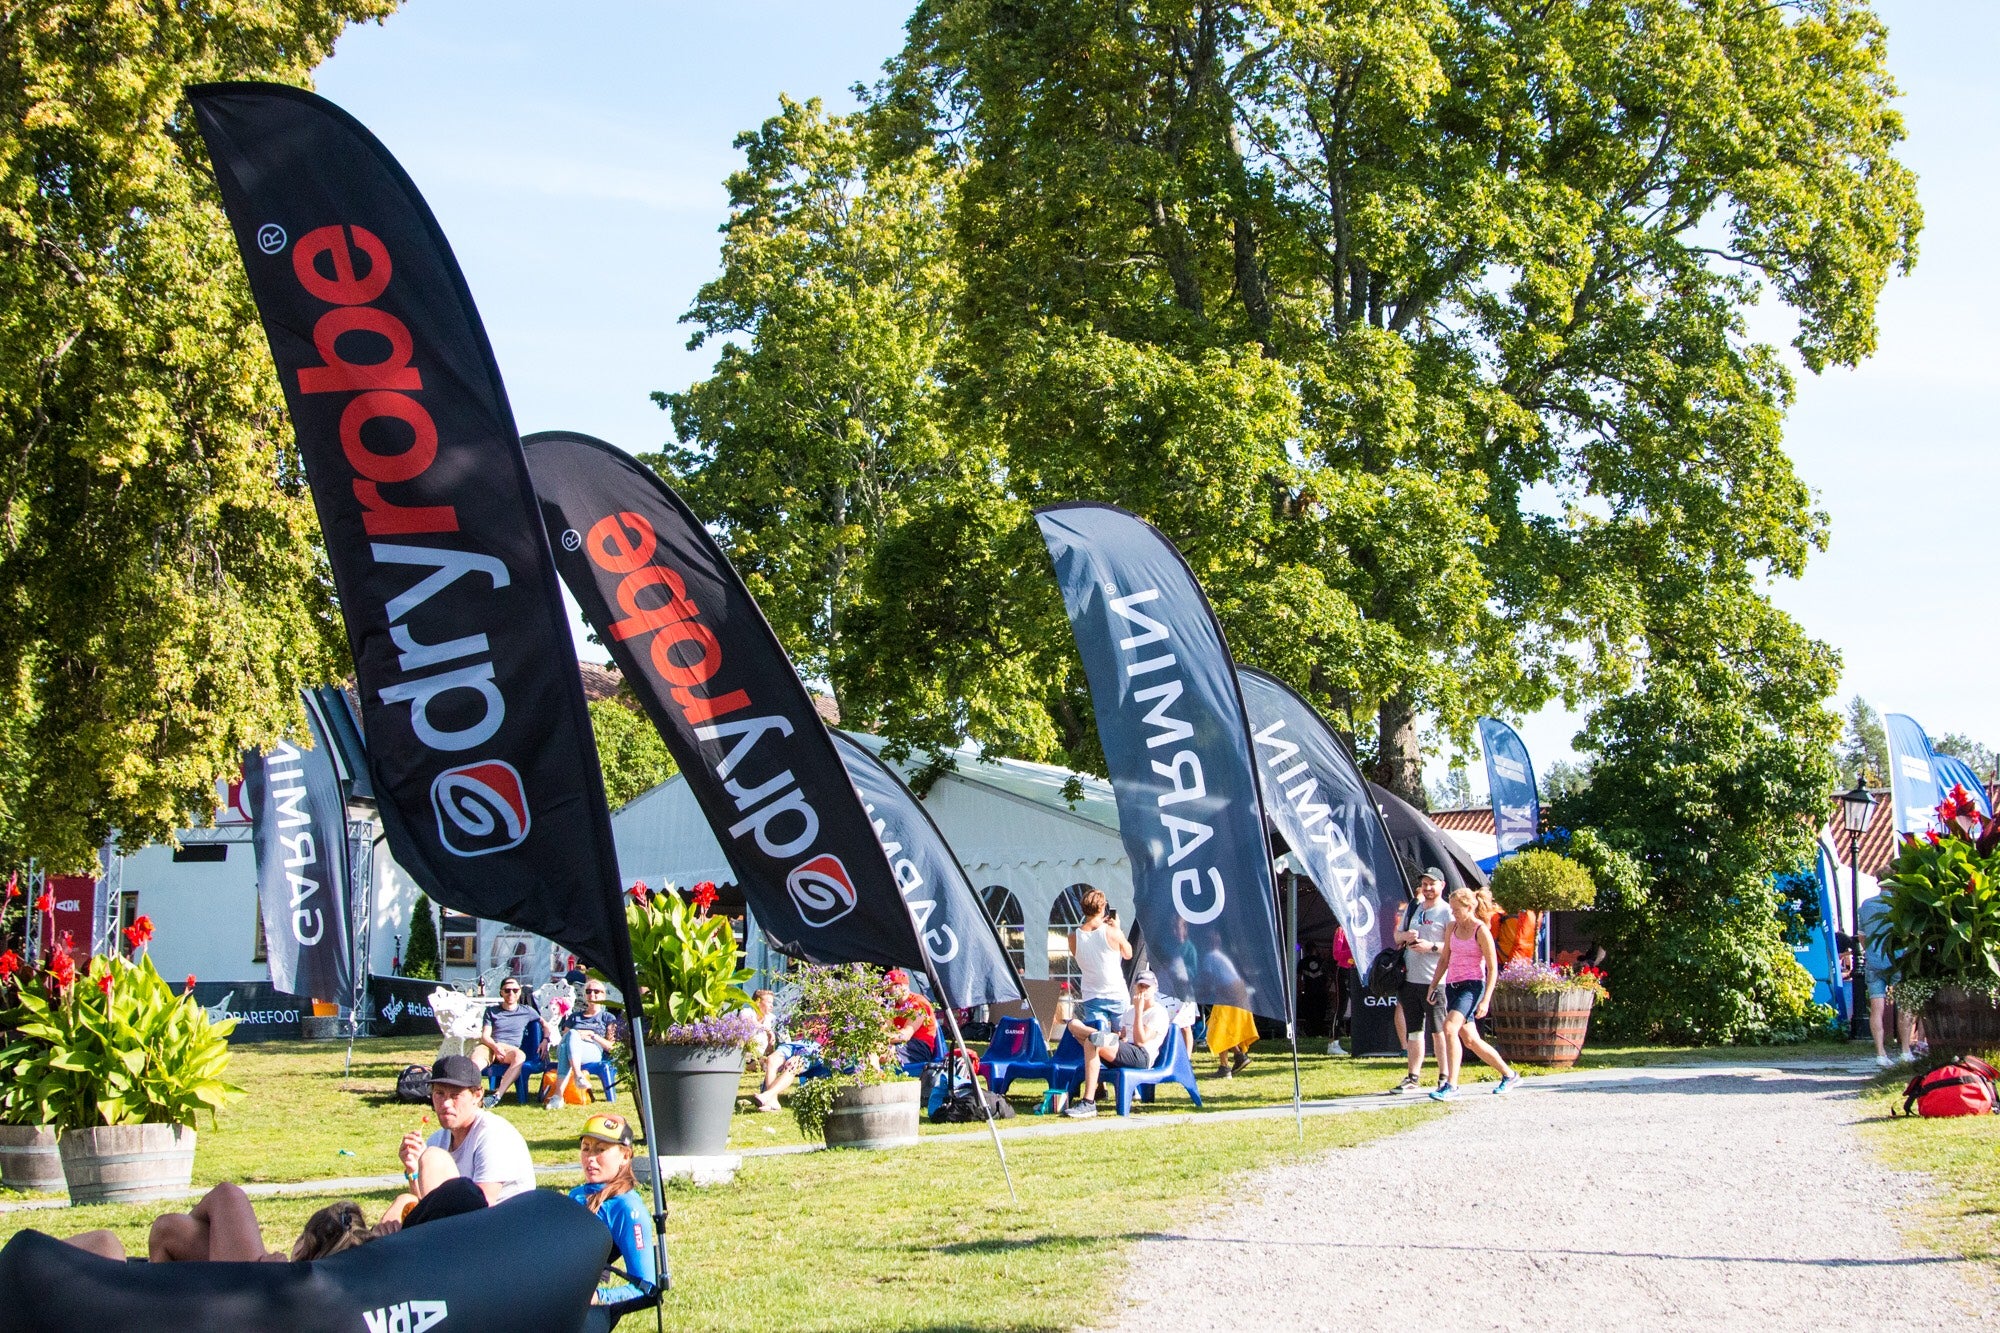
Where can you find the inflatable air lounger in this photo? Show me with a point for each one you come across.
(529, 1264)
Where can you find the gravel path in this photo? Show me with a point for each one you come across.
(1687, 1200)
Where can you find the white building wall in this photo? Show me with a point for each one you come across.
(204, 913)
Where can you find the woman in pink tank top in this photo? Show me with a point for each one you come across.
(1466, 971)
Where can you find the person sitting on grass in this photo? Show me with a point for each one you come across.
(915, 1020)
(589, 1036)
(610, 1191)
(503, 1032)
(474, 1159)
(222, 1228)
(1136, 1045)
(783, 1058)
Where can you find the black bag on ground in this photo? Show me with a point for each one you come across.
(961, 1106)
(414, 1084)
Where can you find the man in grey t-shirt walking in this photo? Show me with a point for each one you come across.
(1421, 933)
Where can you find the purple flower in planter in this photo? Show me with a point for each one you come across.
(734, 1029)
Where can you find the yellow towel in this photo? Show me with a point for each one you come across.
(1229, 1028)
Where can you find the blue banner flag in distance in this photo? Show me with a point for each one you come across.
(1177, 745)
(1951, 771)
(1830, 918)
(478, 742)
(958, 936)
(1913, 783)
(1322, 806)
(298, 829)
(1510, 781)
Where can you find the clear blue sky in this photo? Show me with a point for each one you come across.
(575, 156)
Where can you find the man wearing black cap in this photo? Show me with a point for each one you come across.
(472, 1145)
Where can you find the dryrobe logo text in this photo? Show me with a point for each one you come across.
(405, 1317)
(821, 890)
(481, 808)
(390, 440)
(686, 658)
(1196, 902)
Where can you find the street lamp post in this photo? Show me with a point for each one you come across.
(1856, 807)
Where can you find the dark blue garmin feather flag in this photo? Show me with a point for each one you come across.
(1510, 781)
(478, 743)
(298, 829)
(1321, 804)
(713, 677)
(1177, 745)
(958, 936)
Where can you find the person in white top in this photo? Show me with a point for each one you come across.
(473, 1144)
(1099, 948)
(1136, 1045)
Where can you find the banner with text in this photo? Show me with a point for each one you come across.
(1913, 784)
(960, 938)
(479, 745)
(298, 829)
(1322, 806)
(1510, 782)
(1177, 745)
(713, 677)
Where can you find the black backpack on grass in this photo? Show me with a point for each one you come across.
(414, 1084)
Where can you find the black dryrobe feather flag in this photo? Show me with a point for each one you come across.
(479, 745)
(958, 935)
(1321, 804)
(1178, 749)
(735, 715)
(298, 828)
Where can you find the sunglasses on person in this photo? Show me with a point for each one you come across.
(510, 990)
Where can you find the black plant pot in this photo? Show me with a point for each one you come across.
(694, 1095)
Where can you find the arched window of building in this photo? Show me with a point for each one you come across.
(1066, 915)
(1013, 923)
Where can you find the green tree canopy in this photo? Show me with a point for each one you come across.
(629, 750)
(162, 594)
(1417, 324)
(1864, 745)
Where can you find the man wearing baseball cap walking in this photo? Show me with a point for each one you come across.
(472, 1145)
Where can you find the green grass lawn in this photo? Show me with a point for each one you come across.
(1962, 1155)
(897, 1240)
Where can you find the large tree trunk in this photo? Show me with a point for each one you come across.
(1399, 763)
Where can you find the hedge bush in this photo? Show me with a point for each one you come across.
(1537, 880)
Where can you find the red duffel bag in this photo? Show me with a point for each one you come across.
(1964, 1087)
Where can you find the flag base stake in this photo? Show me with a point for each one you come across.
(645, 1091)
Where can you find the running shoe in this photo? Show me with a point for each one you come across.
(1445, 1093)
(1887, 1062)
(1409, 1084)
(1507, 1081)
(1082, 1111)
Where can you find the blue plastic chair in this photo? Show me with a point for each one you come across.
(605, 1071)
(1018, 1050)
(1170, 1066)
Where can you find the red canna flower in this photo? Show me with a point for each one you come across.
(10, 963)
(704, 896)
(46, 902)
(63, 968)
(104, 984)
(638, 891)
(1930, 836)
(190, 983)
(14, 885)
(139, 932)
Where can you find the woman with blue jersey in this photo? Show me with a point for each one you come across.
(610, 1190)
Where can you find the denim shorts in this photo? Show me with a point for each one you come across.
(1877, 987)
(1104, 1014)
(1462, 997)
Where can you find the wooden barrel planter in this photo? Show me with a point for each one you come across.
(1539, 1029)
(874, 1115)
(28, 1158)
(1960, 1021)
(127, 1163)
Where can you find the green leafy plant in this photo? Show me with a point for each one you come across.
(845, 1012)
(686, 959)
(1537, 880)
(1941, 905)
(111, 1045)
(420, 960)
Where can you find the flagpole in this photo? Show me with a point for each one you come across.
(958, 1039)
(1292, 994)
(645, 1092)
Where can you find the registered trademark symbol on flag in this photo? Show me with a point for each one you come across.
(572, 539)
(270, 238)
